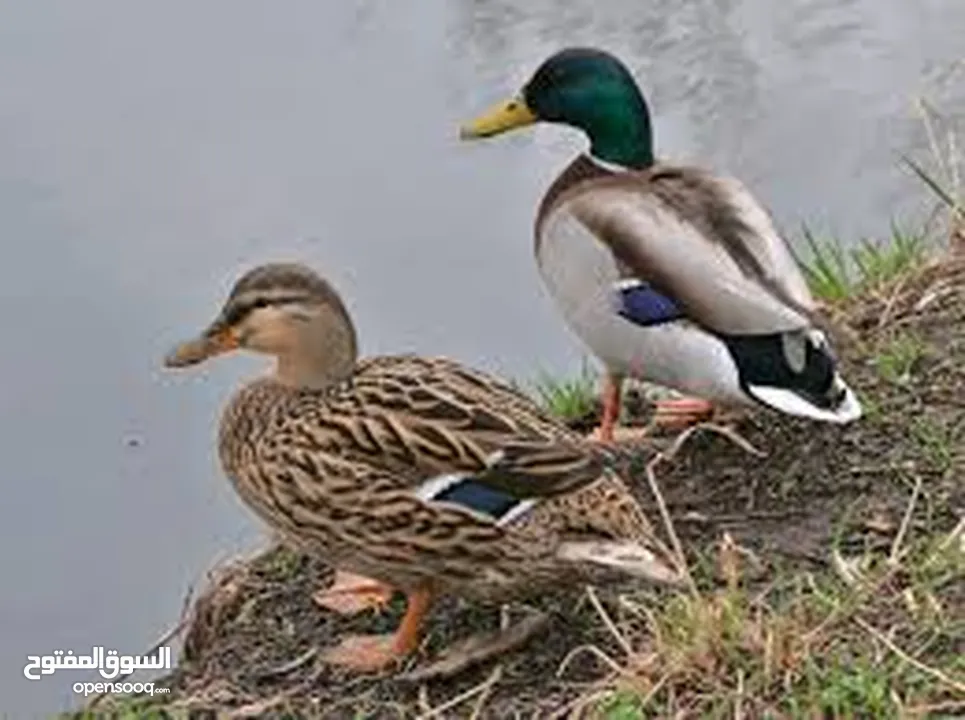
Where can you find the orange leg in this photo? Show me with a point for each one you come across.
(350, 594)
(367, 653)
(682, 413)
(608, 433)
(612, 385)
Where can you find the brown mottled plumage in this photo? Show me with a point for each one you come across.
(352, 460)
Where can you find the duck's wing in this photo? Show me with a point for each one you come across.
(452, 530)
(700, 241)
(439, 423)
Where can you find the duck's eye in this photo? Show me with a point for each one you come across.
(260, 303)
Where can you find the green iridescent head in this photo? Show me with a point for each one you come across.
(587, 89)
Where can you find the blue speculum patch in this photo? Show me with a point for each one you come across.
(641, 304)
(478, 497)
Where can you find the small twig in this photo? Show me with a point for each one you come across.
(721, 430)
(183, 621)
(289, 666)
(494, 677)
(216, 692)
(650, 618)
(478, 649)
(735, 437)
(497, 672)
(456, 701)
(658, 494)
(886, 313)
(593, 650)
(899, 705)
(895, 556)
(423, 699)
(574, 708)
(645, 700)
(605, 617)
(681, 559)
(848, 571)
(956, 533)
(918, 664)
(927, 711)
(739, 700)
(260, 707)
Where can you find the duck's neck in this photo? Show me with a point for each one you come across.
(324, 355)
(608, 166)
(301, 371)
(620, 134)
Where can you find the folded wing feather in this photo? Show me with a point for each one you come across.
(703, 243)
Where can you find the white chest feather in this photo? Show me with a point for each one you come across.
(578, 270)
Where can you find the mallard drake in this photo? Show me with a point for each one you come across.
(667, 273)
(408, 473)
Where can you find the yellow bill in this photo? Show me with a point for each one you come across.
(505, 116)
(202, 348)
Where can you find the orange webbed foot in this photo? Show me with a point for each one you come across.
(682, 413)
(370, 653)
(619, 435)
(350, 594)
(364, 653)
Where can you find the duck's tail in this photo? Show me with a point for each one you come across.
(626, 557)
(795, 373)
(839, 405)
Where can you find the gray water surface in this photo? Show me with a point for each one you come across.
(150, 152)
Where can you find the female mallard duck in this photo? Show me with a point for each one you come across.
(667, 273)
(420, 473)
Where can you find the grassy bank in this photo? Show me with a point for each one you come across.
(827, 564)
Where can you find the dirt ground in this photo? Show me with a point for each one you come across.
(251, 637)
